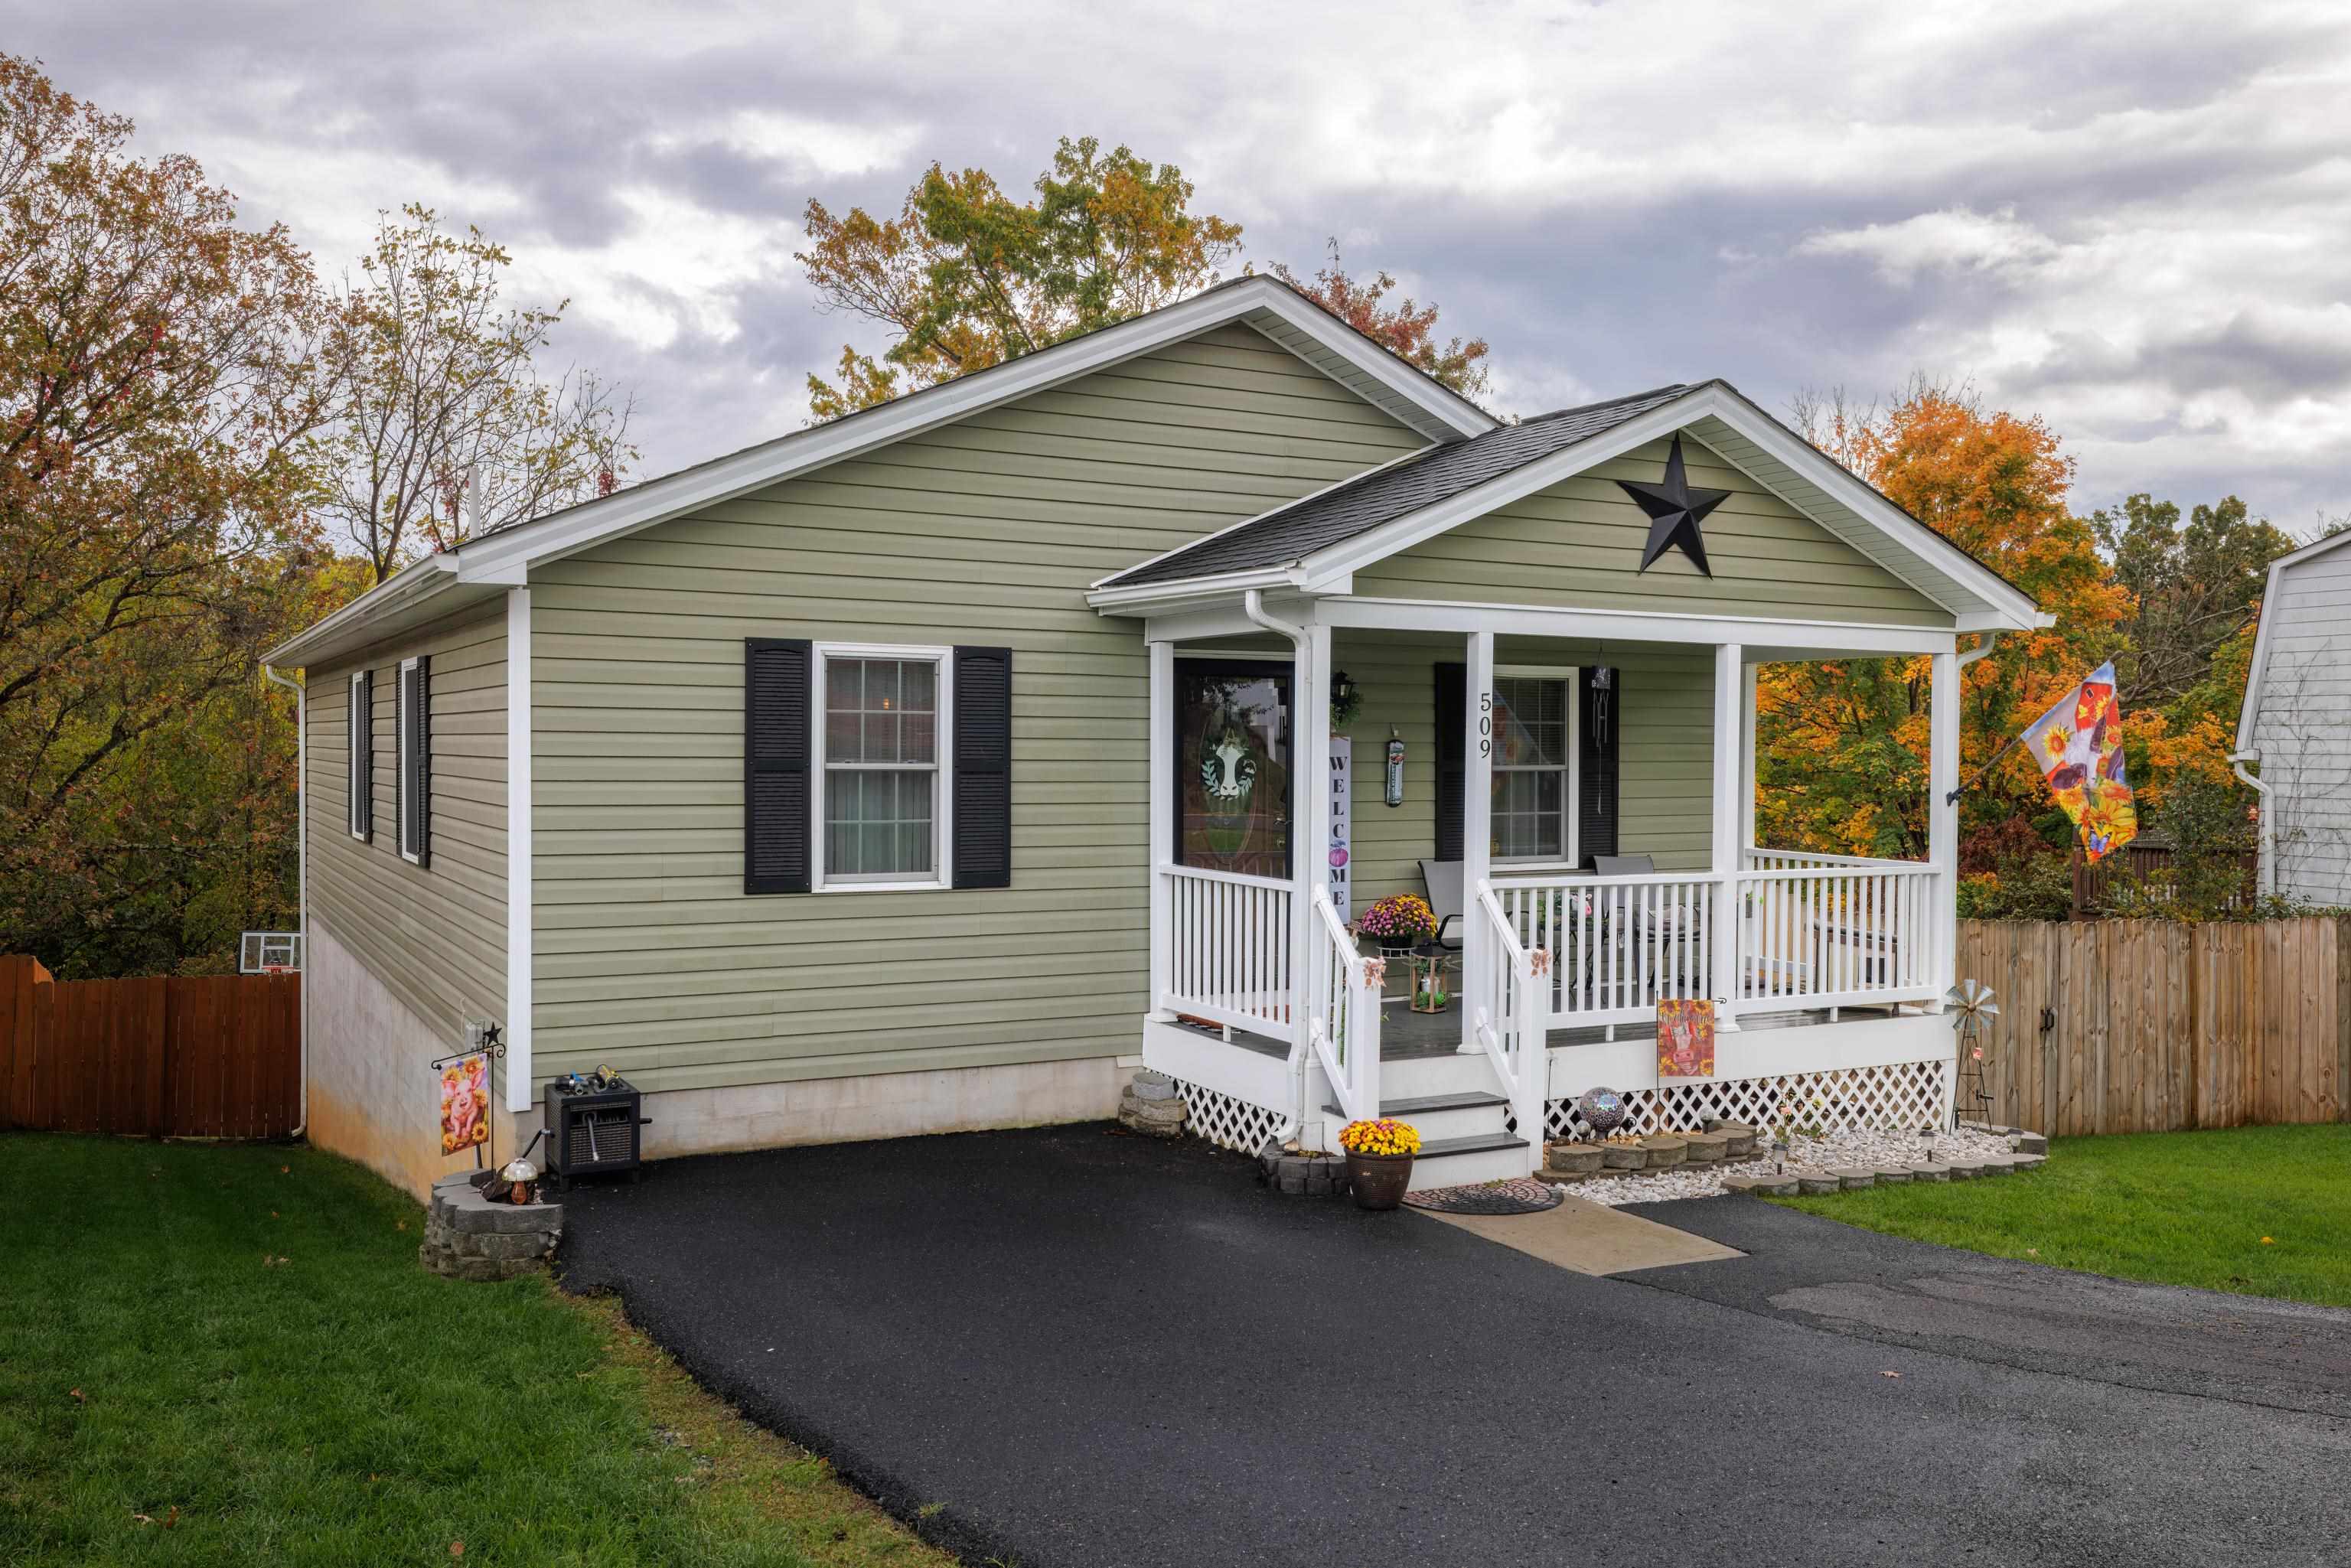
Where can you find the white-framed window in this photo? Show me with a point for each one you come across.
(1535, 736)
(359, 736)
(883, 724)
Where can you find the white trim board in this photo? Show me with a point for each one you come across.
(1270, 307)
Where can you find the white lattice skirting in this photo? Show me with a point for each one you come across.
(1227, 1123)
(1854, 1099)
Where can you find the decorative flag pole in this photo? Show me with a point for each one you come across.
(2079, 746)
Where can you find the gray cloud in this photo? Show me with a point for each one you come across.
(2128, 220)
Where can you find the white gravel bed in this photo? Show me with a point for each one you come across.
(1831, 1153)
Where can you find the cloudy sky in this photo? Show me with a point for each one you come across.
(2132, 219)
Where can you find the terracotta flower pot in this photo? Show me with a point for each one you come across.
(1378, 1181)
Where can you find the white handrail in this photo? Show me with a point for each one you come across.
(1343, 1014)
(1508, 1021)
(1228, 960)
(1837, 935)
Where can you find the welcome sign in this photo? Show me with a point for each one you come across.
(1343, 792)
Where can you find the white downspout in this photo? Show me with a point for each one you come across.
(1978, 651)
(2267, 873)
(1253, 606)
(301, 873)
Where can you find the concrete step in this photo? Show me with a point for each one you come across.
(1462, 1115)
(1424, 1077)
(1460, 1162)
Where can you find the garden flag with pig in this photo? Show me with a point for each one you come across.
(2079, 746)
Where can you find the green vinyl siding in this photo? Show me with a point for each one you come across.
(1578, 544)
(435, 935)
(987, 532)
(1664, 748)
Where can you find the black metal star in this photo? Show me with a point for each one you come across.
(1675, 512)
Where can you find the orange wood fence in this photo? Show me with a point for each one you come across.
(2149, 1026)
(214, 1056)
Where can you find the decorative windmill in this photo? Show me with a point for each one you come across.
(1972, 1010)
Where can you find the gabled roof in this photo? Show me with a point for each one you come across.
(1313, 543)
(2249, 712)
(1357, 506)
(440, 585)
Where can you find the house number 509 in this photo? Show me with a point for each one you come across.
(1485, 724)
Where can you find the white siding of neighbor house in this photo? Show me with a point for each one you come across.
(2304, 727)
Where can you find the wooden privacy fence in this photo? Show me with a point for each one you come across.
(2150, 1026)
(216, 1056)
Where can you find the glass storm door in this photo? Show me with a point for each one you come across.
(1233, 765)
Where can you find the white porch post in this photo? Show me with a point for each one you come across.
(1161, 750)
(1731, 816)
(1477, 828)
(1310, 822)
(1747, 759)
(1943, 817)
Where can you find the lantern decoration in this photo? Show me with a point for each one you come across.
(1779, 1156)
(1346, 699)
(1603, 1111)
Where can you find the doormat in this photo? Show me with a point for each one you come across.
(1520, 1195)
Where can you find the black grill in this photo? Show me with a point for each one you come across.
(593, 1134)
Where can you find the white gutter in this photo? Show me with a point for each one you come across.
(1978, 651)
(1253, 606)
(2268, 875)
(301, 872)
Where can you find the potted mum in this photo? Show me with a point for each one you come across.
(1397, 922)
(1379, 1160)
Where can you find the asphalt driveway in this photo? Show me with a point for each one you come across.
(1069, 1348)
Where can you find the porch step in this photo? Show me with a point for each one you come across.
(1442, 1117)
(1462, 1162)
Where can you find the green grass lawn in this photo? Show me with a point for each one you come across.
(228, 1353)
(2261, 1211)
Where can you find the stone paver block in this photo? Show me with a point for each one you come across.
(1816, 1182)
(1623, 1157)
(1740, 1141)
(2027, 1162)
(1666, 1151)
(1930, 1173)
(1580, 1158)
(1705, 1149)
(1964, 1170)
(1893, 1175)
(2031, 1143)
(1764, 1184)
(1852, 1178)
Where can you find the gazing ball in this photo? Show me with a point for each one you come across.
(1603, 1111)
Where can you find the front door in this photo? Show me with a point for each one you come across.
(1233, 783)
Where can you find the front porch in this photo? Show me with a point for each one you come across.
(1826, 971)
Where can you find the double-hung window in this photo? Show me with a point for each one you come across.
(881, 732)
(1534, 765)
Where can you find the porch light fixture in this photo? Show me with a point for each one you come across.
(1346, 699)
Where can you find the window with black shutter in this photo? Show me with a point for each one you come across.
(361, 725)
(414, 799)
(982, 722)
(776, 786)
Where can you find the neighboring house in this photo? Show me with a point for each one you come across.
(2296, 724)
(935, 767)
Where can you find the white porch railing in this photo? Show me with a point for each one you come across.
(1839, 934)
(1618, 945)
(1813, 931)
(1343, 1014)
(1228, 958)
(1507, 1006)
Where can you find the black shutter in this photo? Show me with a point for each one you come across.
(983, 768)
(776, 793)
(363, 779)
(1452, 756)
(1601, 697)
(419, 759)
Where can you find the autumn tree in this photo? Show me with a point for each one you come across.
(443, 425)
(156, 386)
(967, 277)
(1843, 747)
(2192, 588)
(1405, 327)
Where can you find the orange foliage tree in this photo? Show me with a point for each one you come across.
(1842, 747)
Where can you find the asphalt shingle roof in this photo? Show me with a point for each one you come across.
(1364, 503)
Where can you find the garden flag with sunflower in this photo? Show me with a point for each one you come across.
(2079, 746)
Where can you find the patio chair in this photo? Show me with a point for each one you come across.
(1441, 879)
